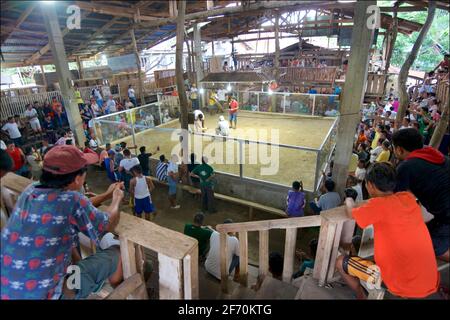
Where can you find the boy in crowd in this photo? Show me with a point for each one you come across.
(329, 200)
(234, 107)
(144, 158)
(161, 169)
(18, 158)
(125, 166)
(140, 189)
(426, 173)
(403, 250)
(197, 231)
(295, 201)
(306, 260)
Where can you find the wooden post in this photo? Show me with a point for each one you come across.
(190, 273)
(179, 67)
(243, 257)
(223, 263)
(353, 94)
(277, 47)
(170, 278)
(138, 65)
(43, 77)
(324, 249)
(212, 48)
(404, 71)
(289, 254)
(127, 252)
(390, 43)
(263, 252)
(80, 68)
(441, 127)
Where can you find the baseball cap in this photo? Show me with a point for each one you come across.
(65, 159)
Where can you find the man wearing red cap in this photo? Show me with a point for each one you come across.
(40, 239)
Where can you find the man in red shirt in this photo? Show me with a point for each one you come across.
(403, 250)
(234, 107)
(18, 158)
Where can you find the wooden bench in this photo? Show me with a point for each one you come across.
(250, 204)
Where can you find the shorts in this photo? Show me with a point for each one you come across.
(440, 236)
(364, 270)
(143, 205)
(95, 269)
(172, 186)
(35, 125)
(233, 116)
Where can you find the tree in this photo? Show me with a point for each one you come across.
(404, 71)
(441, 128)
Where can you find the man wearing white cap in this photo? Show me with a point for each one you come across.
(223, 127)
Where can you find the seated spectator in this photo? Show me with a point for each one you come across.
(295, 201)
(18, 158)
(306, 260)
(426, 173)
(52, 213)
(385, 154)
(223, 127)
(44, 148)
(403, 249)
(374, 153)
(197, 231)
(212, 263)
(329, 200)
(355, 184)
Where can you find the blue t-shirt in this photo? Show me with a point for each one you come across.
(295, 202)
(36, 243)
(312, 91)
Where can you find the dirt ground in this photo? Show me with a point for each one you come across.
(274, 164)
(176, 219)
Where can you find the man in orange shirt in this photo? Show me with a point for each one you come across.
(404, 253)
(234, 107)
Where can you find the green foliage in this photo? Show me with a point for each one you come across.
(427, 57)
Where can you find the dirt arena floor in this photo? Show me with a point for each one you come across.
(274, 164)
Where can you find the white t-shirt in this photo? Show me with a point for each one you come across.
(360, 173)
(97, 94)
(2, 145)
(196, 113)
(31, 114)
(128, 163)
(224, 127)
(34, 164)
(131, 93)
(212, 263)
(358, 190)
(93, 144)
(111, 105)
(12, 129)
(221, 94)
(172, 167)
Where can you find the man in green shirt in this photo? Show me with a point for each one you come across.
(205, 173)
(202, 234)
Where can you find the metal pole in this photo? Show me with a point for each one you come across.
(314, 104)
(241, 158)
(284, 103)
(133, 132)
(257, 100)
(160, 114)
(316, 177)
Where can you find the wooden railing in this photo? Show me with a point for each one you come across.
(335, 229)
(375, 84)
(443, 91)
(177, 254)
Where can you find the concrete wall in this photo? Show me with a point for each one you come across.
(251, 190)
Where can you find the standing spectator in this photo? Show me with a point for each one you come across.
(212, 263)
(140, 189)
(191, 166)
(48, 110)
(161, 169)
(172, 179)
(194, 97)
(403, 249)
(329, 200)
(18, 158)
(32, 116)
(295, 201)
(197, 231)
(49, 128)
(125, 166)
(110, 167)
(86, 114)
(40, 111)
(96, 109)
(132, 95)
(144, 158)
(13, 131)
(97, 95)
(103, 155)
(34, 161)
(57, 112)
(225, 66)
(234, 107)
(205, 173)
(119, 154)
(48, 217)
(426, 173)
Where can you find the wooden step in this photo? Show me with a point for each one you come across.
(275, 289)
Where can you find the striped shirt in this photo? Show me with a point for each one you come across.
(161, 171)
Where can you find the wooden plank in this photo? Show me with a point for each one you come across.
(170, 277)
(301, 222)
(127, 252)
(243, 257)
(223, 262)
(263, 252)
(289, 254)
(24, 15)
(326, 240)
(190, 273)
(335, 250)
(126, 288)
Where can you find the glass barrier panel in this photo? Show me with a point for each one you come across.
(299, 104)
